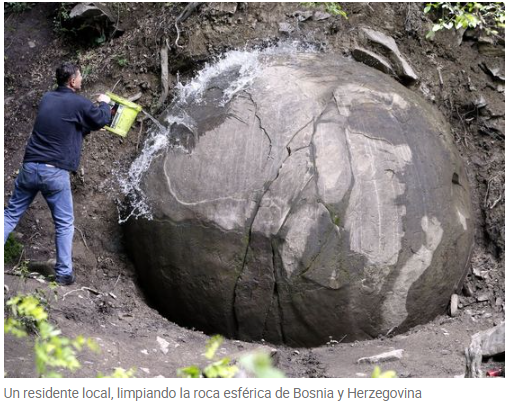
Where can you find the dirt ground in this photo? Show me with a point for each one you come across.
(107, 304)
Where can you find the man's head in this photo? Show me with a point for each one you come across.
(68, 74)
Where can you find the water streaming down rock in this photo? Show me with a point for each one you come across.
(177, 130)
(298, 197)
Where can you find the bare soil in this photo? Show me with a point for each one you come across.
(106, 302)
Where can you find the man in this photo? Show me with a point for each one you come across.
(53, 150)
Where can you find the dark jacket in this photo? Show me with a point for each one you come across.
(64, 118)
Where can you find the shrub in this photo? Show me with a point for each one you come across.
(485, 16)
(17, 7)
(12, 250)
(331, 7)
(52, 350)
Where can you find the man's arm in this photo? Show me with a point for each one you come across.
(97, 116)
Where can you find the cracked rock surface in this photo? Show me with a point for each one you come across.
(324, 201)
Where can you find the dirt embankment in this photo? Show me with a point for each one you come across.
(461, 80)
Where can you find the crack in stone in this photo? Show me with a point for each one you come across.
(260, 124)
(277, 277)
(374, 138)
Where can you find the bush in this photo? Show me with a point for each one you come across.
(12, 250)
(52, 350)
(17, 7)
(331, 7)
(488, 17)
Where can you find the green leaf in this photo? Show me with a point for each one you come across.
(189, 372)
(260, 364)
(220, 369)
(387, 374)
(212, 346)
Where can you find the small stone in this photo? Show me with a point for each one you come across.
(144, 351)
(477, 272)
(319, 16)
(31, 44)
(379, 358)
(303, 15)
(145, 370)
(164, 344)
(482, 298)
(499, 301)
(480, 102)
(454, 305)
(285, 28)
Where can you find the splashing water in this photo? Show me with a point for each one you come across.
(241, 69)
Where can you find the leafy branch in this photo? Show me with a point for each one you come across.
(488, 17)
(332, 8)
(52, 350)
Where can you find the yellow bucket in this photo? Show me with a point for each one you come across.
(123, 114)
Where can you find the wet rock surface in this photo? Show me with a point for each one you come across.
(340, 209)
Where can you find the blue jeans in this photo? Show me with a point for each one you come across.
(55, 186)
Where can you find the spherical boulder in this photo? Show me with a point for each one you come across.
(320, 200)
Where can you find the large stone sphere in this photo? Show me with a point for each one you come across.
(323, 201)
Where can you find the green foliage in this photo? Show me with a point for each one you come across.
(377, 373)
(64, 27)
(122, 61)
(260, 365)
(212, 346)
(485, 16)
(52, 350)
(330, 7)
(17, 7)
(12, 250)
(217, 369)
(119, 373)
(61, 18)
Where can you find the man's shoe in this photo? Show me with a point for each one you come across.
(66, 280)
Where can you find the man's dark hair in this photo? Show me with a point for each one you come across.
(64, 72)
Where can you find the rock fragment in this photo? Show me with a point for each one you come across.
(285, 28)
(163, 344)
(403, 69)
(303, 15)
(319, 16)
(495, 72)
(454, 303)
(373, 60)
(489, 47)
(382, 357)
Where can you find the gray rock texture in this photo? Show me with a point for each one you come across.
(404, 70)
(325, 201)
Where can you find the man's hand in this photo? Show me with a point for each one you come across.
(103, 98)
